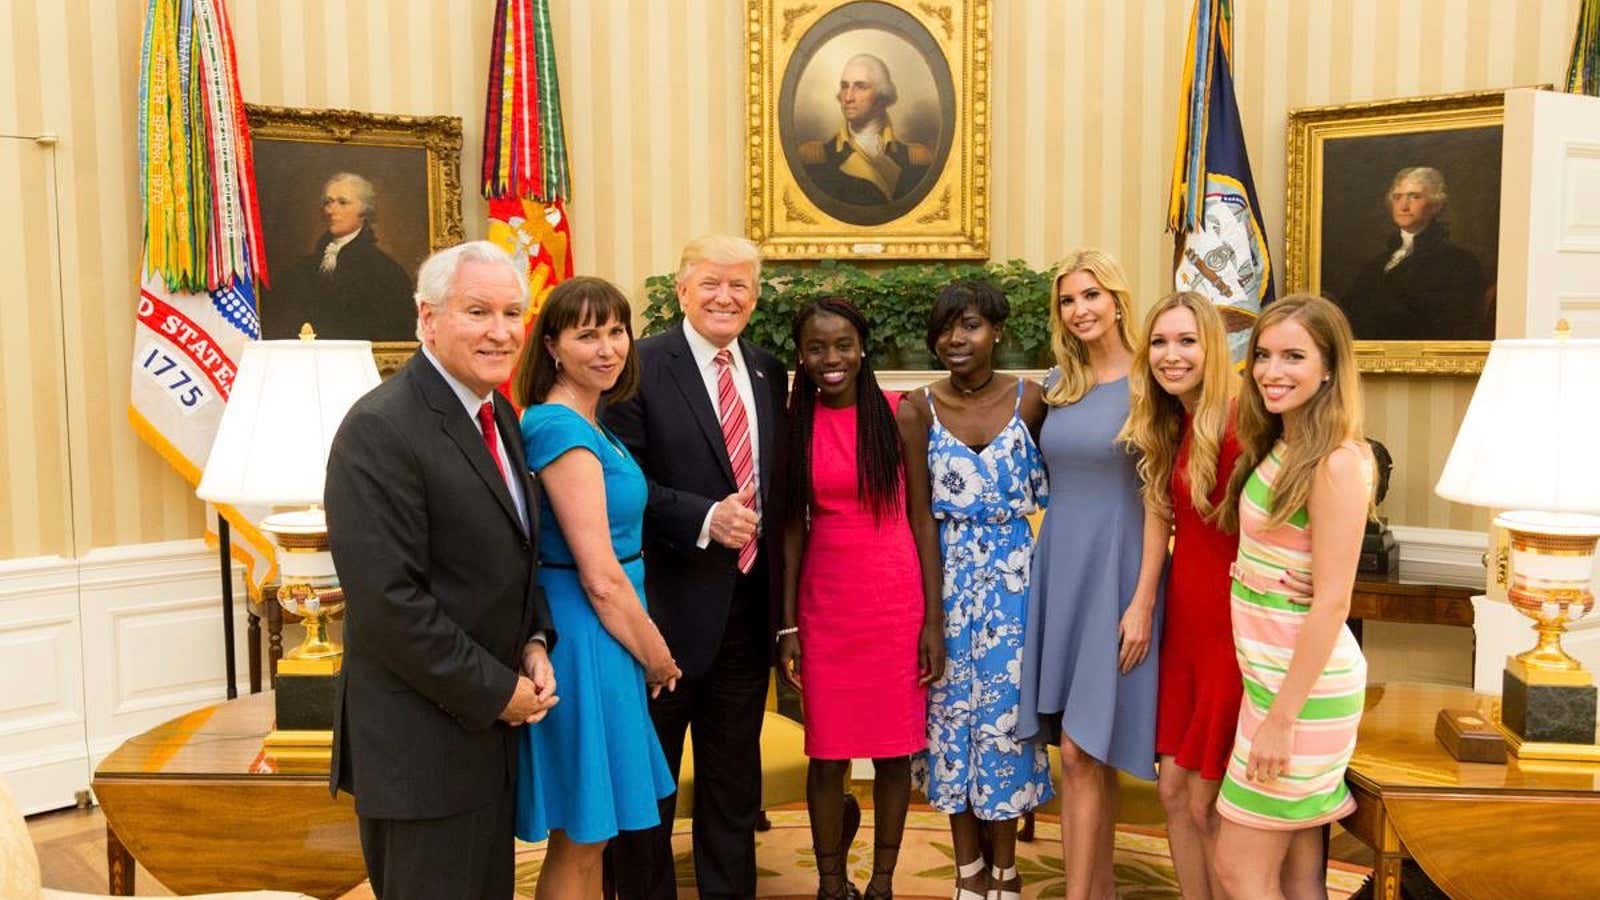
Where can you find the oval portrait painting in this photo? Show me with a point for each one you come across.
(866, 113)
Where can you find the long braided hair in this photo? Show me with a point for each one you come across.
(878, 447)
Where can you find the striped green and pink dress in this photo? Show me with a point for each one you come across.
(1266, 627)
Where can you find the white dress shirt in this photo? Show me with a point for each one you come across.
(330, 255)
(1407, 239)
(705, 359)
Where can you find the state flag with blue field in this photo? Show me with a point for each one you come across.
(1220, 246)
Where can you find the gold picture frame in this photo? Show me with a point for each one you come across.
(414, 166)
(1341, 163)
(812, 194)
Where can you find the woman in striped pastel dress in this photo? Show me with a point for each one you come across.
(1299, 499)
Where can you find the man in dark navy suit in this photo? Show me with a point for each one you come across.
(707, 427)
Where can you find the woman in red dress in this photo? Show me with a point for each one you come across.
(861, 599)
(1181, 422)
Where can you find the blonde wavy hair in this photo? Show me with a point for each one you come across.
(1331, 417)
(1155, 418)
(1072, 356)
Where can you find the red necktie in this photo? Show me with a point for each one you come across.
(736, 435)
(491, 436)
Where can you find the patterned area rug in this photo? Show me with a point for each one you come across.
(927, 863)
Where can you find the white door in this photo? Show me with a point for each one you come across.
(1549, 270)
(1549, 215)
(43, 750)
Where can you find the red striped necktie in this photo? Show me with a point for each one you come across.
(736, 435)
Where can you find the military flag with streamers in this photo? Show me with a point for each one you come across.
(203, 256)
(525, 175)
(1220, 246)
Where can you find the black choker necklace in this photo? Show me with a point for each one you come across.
(972, 390)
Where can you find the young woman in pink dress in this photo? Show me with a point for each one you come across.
(863, 629)
(1299, 500)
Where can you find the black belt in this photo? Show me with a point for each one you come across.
(550, 564)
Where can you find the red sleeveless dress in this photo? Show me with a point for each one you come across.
(1197, 709)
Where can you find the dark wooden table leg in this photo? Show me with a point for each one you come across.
(119, 866)
(274, 634)
(253, 629)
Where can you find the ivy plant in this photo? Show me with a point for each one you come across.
(894, 298)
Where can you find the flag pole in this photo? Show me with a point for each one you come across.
(223, 546)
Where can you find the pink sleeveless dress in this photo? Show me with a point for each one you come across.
(859, 610)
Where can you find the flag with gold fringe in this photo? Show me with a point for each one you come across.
(1220, 246)
(203, 255)
(1583, 69)
(525, 175)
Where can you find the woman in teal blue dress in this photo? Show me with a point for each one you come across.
(594, 766)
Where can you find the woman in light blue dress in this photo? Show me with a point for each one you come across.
(987, 477)
(1088, 676)
(594, 766)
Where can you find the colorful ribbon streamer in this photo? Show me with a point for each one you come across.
(524, 145)
(202, 223)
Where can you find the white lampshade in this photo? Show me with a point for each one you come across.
(1531, 438)
(287, 401)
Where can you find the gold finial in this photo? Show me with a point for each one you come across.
(1563, 330)
(306, 334)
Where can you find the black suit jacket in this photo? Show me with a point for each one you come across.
(367, 296)
(671, 426)
(1438, 293)
(440, 596)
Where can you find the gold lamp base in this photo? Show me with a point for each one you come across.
(299, 751)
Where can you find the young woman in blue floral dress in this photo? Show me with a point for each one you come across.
(987, 476)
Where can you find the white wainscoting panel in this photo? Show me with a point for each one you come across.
(153, 637)
(97, 649)
(43, 752)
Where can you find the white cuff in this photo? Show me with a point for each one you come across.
(704, 540)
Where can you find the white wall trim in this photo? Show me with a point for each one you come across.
(35, 575)
(140, 643)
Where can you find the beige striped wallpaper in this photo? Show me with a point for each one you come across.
(1084, 97)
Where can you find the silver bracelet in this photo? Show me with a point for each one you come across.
(785, 632)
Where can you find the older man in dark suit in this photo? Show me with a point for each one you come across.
(432, 520)
(707, 427)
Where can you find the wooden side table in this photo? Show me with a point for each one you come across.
(1478, 830)
(1394, 599)
(201, 808)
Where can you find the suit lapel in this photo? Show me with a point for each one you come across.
(506, 416)
(762, 391)
(461, 430)
(681, 366)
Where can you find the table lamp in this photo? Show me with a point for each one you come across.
(271, 449)
(1528, 446)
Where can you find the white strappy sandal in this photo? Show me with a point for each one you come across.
(999, 877)
(968, 870)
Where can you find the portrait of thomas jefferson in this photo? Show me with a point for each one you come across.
(865, 164)
(348, 286)
(1421, 285)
